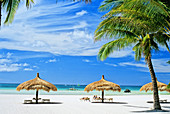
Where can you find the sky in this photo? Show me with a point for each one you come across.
(57, 40)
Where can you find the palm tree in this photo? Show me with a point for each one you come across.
(168, 86)
(134, 23)
(168, 62)
(11, 6)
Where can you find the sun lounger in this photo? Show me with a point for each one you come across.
(161, 101)
(100, 99)
(165, 100)
(35, 98)
(27, 101)
(97, 99)
(45, 100)
(109, 99)
(85, 99)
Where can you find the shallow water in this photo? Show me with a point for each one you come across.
(79, 90)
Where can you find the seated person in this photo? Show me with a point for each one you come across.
(95, 96)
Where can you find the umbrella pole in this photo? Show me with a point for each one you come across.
(102, 96)
(36, 97)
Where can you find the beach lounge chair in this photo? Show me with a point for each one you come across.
(35, 98)
(85, 99)
(27, 101)
(161, 101)
(97, 98)
(109, 99)
(45, 100)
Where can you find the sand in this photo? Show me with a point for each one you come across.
(71, 104)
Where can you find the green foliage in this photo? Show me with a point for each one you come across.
(168, 62)
(11, 7)
(168, 86)
(140, 23)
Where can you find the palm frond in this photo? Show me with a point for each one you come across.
(115, 45)
(109, 4)
(12, 6)
(138, 49)
(112, 34)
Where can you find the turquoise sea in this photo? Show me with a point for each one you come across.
(6, 88)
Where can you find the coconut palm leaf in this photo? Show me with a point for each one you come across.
(115, 45)
(11, 7)
(168, 86)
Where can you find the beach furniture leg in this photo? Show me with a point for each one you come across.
(36, 97)
(102, 96)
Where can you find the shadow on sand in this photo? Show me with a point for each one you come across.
(160, 102)
(144, 111)
(45, 103)
(166, 107)
(111, 102)
(136, 106)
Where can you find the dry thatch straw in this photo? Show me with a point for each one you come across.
(37, 84)
(161, 87)
(102, 85)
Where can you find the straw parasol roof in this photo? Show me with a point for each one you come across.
(147, 87)
(102, 85)
(37, 84)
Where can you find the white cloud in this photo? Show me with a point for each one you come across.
(28, 69)
(159, 65)
(9, 68)
(114, 65)
(133, 64)
(35, 67)
(2, 61)
(7, 64)
(55, 29)
(122, 53)
(9, 55)
(81, 13)
(1, 56)
(51, 61)
(25, 64)
(86, 60)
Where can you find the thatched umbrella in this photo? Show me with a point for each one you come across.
(37, 84)
(102, 85)
(147, 87)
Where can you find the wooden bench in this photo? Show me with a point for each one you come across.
(27, 101)
(45, 100)
(109, 99)
(85, 99)
(165, 100)
(35, 98)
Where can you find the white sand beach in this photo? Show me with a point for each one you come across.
(71, 104)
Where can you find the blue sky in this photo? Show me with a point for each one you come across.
(56, 40)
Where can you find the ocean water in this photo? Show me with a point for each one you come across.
(78, 90)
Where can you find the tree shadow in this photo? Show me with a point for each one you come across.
(160, 102)
(144, 111)
(166, 106)
(136, 106)
(45, 103)
(111, 102)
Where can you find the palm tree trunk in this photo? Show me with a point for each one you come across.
(156, 102)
